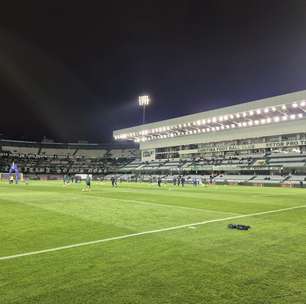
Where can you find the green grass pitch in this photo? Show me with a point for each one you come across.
(207, 264)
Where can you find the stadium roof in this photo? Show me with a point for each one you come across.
(273, 114)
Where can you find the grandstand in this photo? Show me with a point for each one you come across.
(258, 142)
(50, 160)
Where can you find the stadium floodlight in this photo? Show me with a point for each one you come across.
(300, 115)
(294, 105)
(143, 102)
(303, 103)
(251, 113)
(284, 107)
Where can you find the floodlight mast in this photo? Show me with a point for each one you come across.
(143, 102)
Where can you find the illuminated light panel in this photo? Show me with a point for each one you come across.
(144, 100)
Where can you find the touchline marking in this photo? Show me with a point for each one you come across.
(15, 256)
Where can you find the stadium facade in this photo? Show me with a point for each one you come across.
(267, 135)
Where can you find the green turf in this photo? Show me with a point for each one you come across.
(208, 264)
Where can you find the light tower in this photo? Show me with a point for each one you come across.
(143, 102)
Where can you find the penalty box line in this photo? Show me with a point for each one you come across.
(121, 237)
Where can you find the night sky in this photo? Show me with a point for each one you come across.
(73, 70)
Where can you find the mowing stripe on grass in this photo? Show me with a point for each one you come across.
(144, 203)
(9, 257)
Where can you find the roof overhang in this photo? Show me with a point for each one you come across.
(275, 113)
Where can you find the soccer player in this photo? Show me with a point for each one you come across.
(158, 181)
(88, 183)
(183, 181)
(113, 181)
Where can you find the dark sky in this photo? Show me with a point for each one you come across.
(73, 70)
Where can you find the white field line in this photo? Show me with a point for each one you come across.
(9, 257)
